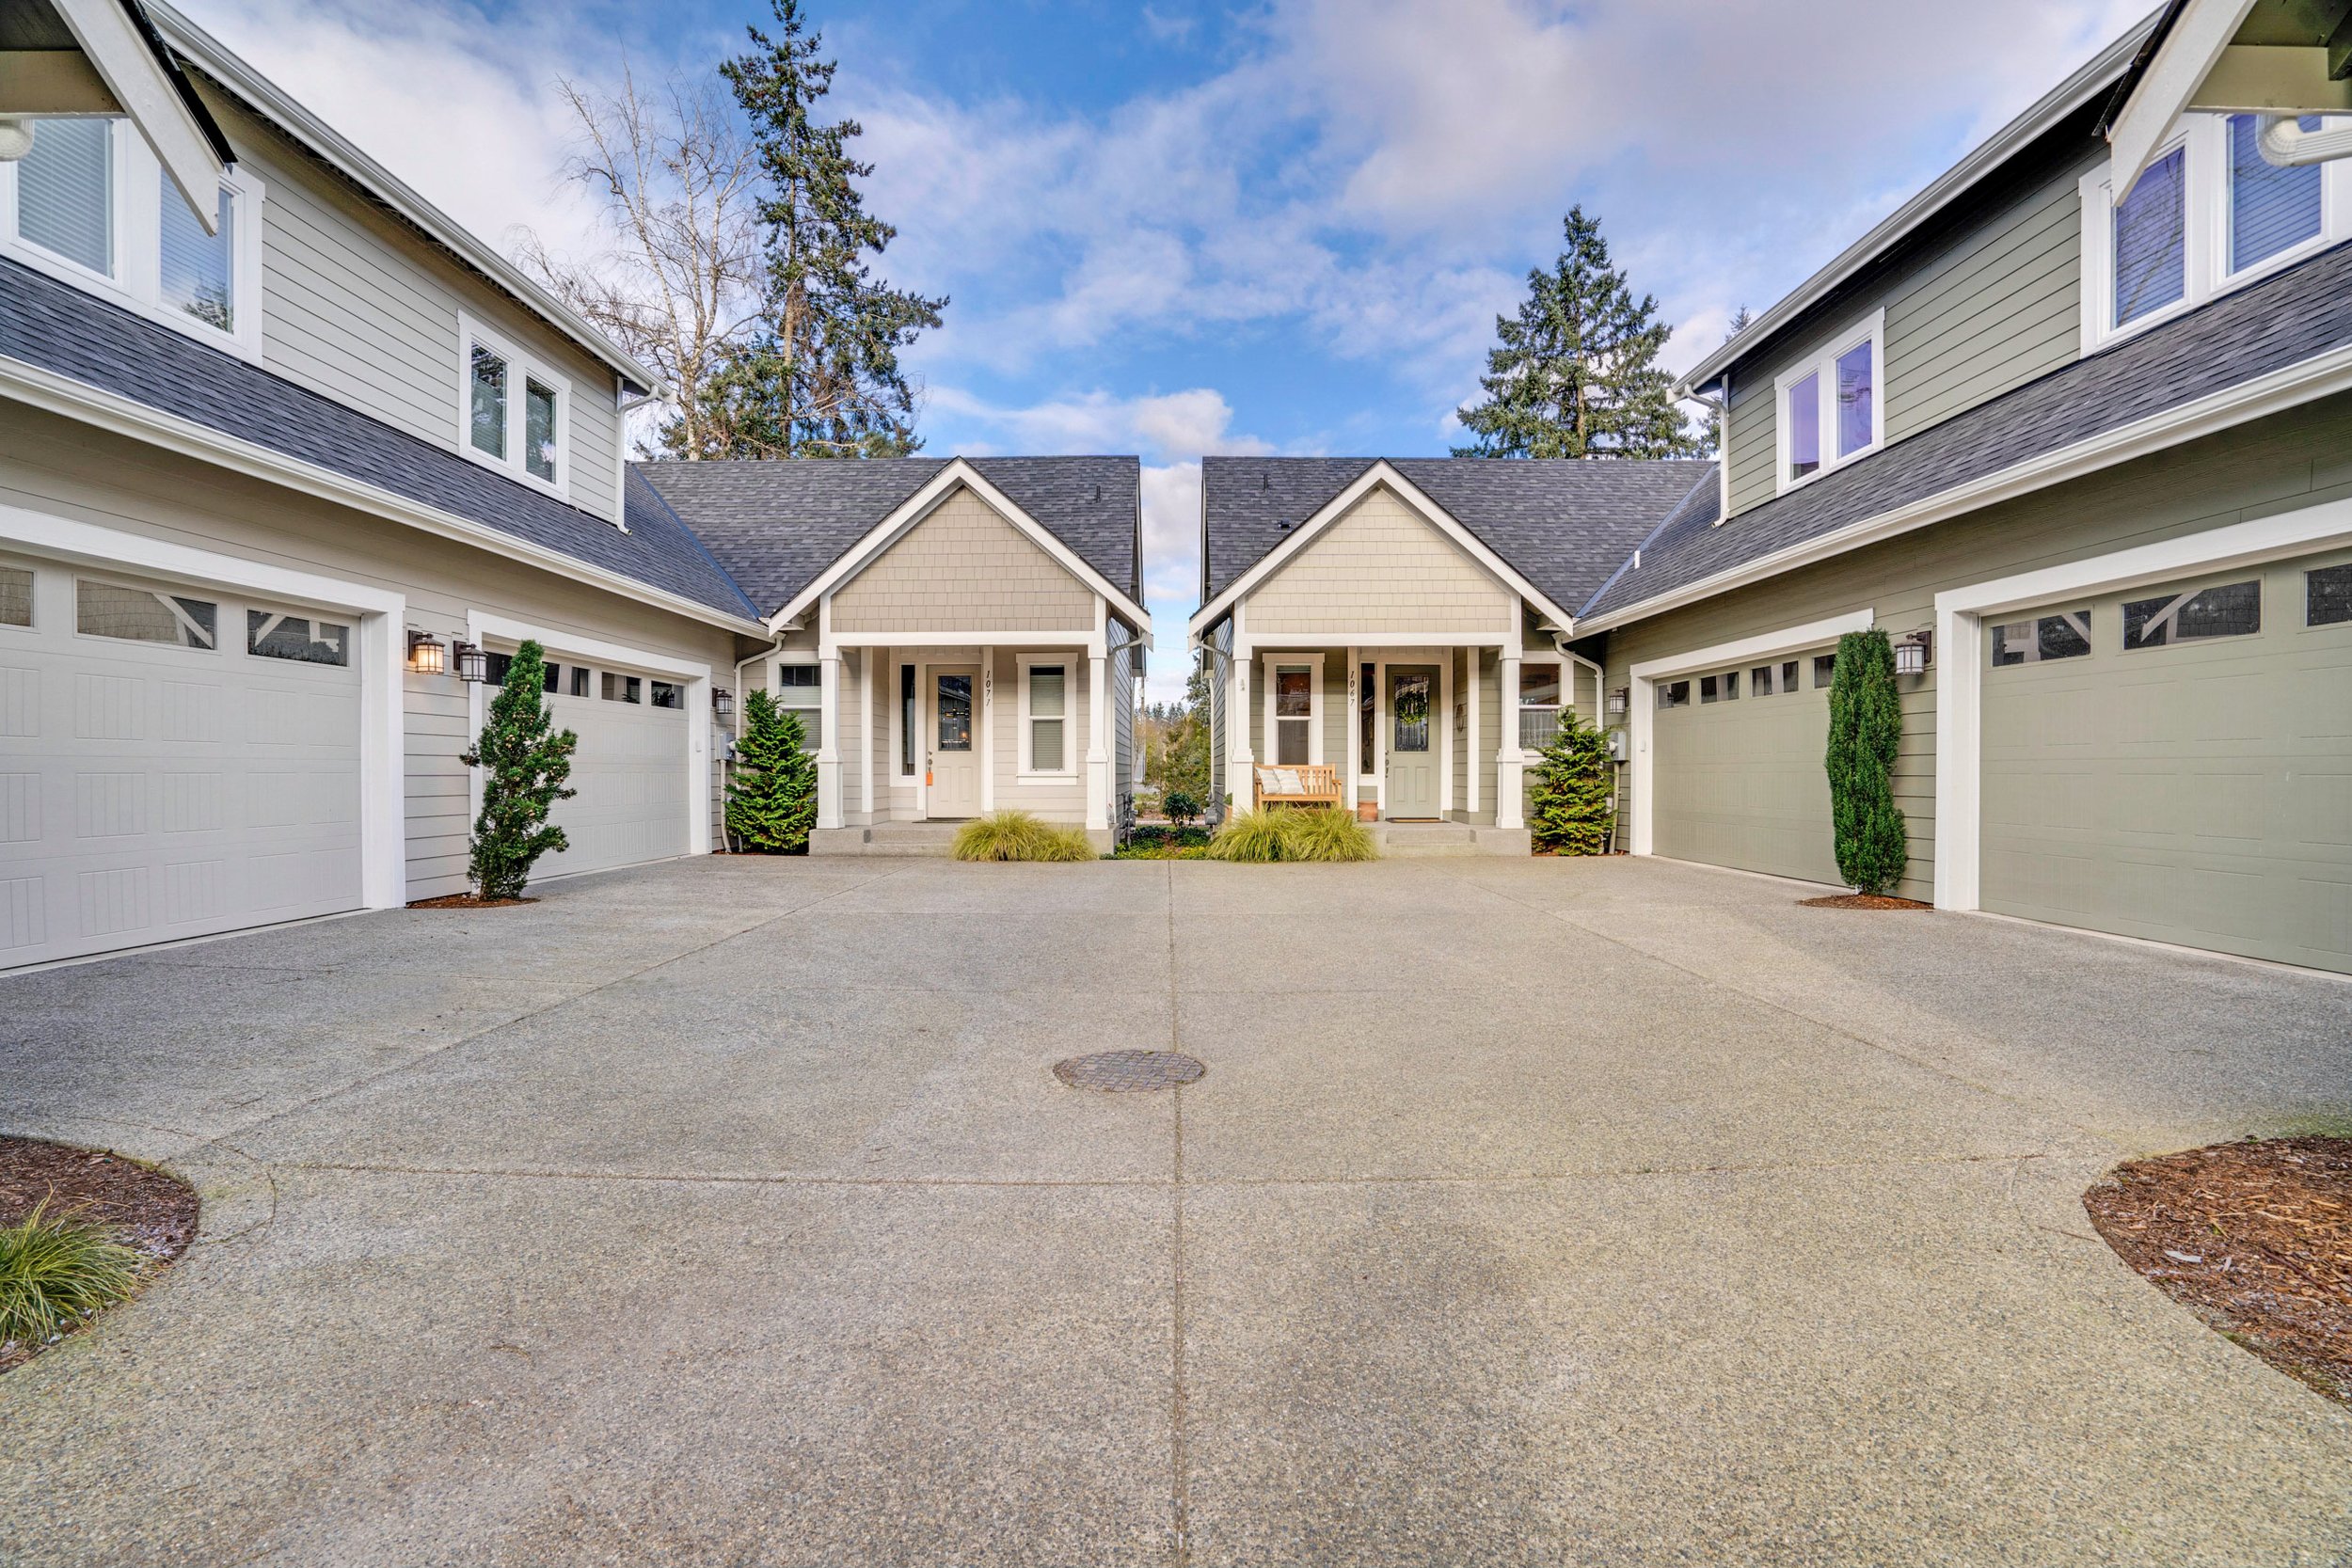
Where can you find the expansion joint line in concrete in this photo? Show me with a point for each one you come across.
(1179, 1515)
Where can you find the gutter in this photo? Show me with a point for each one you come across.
(124, 416)
(2306, 381)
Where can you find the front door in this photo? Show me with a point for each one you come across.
(1410, 790)
(953, 761)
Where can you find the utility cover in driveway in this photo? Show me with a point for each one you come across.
(1117, 1071)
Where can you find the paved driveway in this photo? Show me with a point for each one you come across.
(728, 1214)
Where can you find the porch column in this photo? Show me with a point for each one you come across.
(829, 738)
(1353, 729)
(866, 732)
(1508, 760)
(1472, 658)
(1098, 746)
(988, 731)
(1238, 762)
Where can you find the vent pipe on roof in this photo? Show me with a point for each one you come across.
(16, 138)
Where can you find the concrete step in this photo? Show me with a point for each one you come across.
(1409, 840)
(885, 838)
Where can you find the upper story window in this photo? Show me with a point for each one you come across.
(514, 412)
(90, 204)
(2210, 214)
(1832, 408)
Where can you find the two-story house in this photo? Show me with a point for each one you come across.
(290, 462)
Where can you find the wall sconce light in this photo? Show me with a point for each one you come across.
(1913, 652)
(1620, 699)
(425, 654)
(722, 703)
(472, 664)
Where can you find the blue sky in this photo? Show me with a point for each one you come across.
(1286, 227)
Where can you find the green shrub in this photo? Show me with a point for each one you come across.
(1866, 728)
(1324, 834)
(1165, 844)
(771, 799)
(54, 1270)
(1017, 835)
(1571, 792)
(524, 762)
(1249, 835)
(1179, 807)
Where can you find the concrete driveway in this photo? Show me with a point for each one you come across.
(1591, 1213)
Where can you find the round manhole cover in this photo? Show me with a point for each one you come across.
(1121, 1070)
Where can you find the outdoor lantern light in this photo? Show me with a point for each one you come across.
(1620, 699)
(472, 663)
(425, 654)
(722, 702)
(1911, 654)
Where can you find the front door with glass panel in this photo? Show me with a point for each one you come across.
(1410, 790)
(953, 759)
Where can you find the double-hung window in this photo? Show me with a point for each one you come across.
(800, 691)
(1832, 406)
(1046, 693)
(515, 413)
(90, 204)
(2209, 215)
(1540, 706)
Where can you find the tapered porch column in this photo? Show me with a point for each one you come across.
(1239, 764)
(1509, 761)
(1098, 743)
(829, 738)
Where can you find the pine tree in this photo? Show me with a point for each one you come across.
(823, 377)
(526, 762)
(771, 800)
(1576, 374)
(1866, 728)
(1571, 795)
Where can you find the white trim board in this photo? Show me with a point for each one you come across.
(1960, 615)
(1644, 698)
(123, 61)
(693, 676)
(383, 653)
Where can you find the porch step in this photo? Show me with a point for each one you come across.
(1409, 840)
(885, 838)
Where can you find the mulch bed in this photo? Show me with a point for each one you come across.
(2255, 1237)
(467, 901)
(1860, 901)
(149, 1211)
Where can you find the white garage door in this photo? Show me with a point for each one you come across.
(174, 761)
(630, 770)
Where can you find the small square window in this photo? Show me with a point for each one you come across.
(1731, 685)
(1710, 688)
(553, 685)
(2064, 635)
(580, 680)
(1674, 694)
(798, 678)
(1760, 681)
(1825, 669)
(494, 668)
(16, 596)
(668, 694)
(1788, 676)
(142, 615)
(2232, 611)
(271, 634)
(2326, 596)
(623, 688)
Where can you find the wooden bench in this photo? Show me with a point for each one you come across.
(1313, 785)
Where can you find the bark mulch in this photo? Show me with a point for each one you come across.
(1862, 901)
(2255, 1237)
(467, 901)
(150, 1212)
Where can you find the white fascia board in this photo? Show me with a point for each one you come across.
(266, 99)
(2101, 73)
(958, 472)
(124, 416)
(1381, 473)
(2304, 381)
(112, 42)
(2189, 53)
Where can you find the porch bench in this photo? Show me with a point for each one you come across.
(1313, 785)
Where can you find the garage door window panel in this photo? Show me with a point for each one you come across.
(303, 638)
(1673, 694)
(2233, 610)
(16, 596)
(1825, 669)
(144, 615)
(623, 688)
(2326, 596)
(2065, 634)
(669, 694)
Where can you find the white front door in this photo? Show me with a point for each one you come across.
(952, 758)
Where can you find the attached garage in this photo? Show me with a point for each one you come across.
(1735, 774)
(2174, 761)
(177, 760)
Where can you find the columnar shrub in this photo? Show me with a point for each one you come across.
(525, 761)
(771, 799)
(1571, 793)
(1866, 728)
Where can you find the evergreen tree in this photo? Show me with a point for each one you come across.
(771, 800)
(1575, 372)
(1866, 727)
(1571, 796)
(525, 762)
(823, 377)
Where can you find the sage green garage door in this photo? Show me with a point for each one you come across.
(1738, 777)
(2175, 762)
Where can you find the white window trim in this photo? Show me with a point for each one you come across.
(134, 281)
(1870, 329)
(2205, 220)
(520, 368)
(1025, 770)
(1313, 664)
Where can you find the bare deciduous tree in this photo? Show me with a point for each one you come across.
(679, 284)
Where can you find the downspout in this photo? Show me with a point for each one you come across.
(1721, 408)
(2287, 145)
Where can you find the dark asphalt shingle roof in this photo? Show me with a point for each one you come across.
(65, 331)
(1563, 525)
(776, 526)
(2303, 311)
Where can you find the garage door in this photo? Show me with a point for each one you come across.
(2175, 763)
(1739, 779)
(174, 761)
(630, 770)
